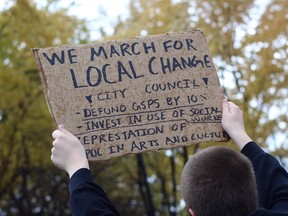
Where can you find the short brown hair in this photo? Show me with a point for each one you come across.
(219, 181)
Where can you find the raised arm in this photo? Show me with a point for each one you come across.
(86, 197)
(271, 177)
(233, 124)
(68, 153)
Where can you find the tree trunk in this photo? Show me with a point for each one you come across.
(144, 186)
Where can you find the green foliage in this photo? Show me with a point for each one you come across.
(250, 54)
(26, 125)
(266, 72)
(153, 17)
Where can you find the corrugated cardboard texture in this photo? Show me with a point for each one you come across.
(134, 95)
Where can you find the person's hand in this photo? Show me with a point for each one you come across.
(233, 124)
(68, 153)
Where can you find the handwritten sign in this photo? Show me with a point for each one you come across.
(134, 95)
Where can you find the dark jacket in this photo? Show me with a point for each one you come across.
(87, 198)
(272, 182)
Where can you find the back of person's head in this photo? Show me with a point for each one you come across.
(219, 181)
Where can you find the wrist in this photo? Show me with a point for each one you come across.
(75, 167)
(241, 139)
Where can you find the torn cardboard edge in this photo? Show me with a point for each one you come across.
(74, 119)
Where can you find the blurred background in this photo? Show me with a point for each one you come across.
(248, 42)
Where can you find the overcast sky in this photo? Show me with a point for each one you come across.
(89, 10)
(104, 13)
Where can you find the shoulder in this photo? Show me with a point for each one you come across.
(265, 212)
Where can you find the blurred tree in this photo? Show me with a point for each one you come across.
(28, 181)
(249, 49)
(265, 93)
(158, 185)
(153, 17)
(251, 57)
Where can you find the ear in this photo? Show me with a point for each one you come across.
(192, 213)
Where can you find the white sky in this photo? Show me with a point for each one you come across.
(89, 10)
(104, 13)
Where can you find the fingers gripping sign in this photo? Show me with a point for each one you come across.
(233, 124)
(67, 152)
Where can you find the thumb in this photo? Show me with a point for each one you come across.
(62, 129)
(225, 105)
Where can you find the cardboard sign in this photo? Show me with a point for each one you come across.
(134, 95)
